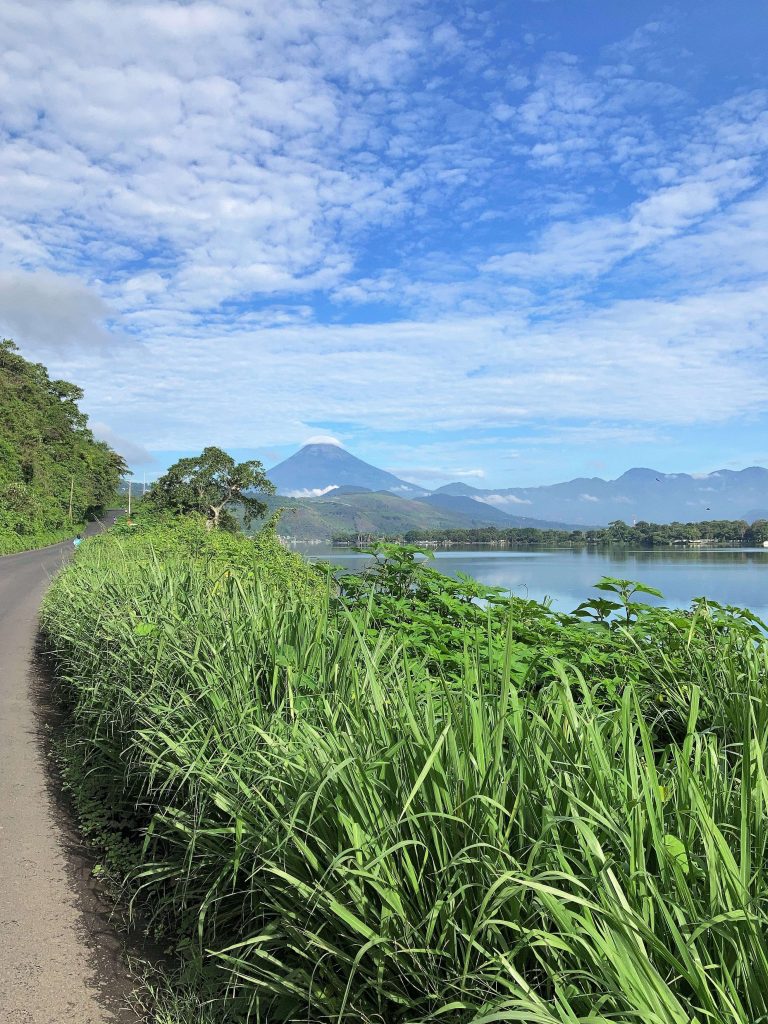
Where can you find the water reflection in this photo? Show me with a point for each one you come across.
(737, 576)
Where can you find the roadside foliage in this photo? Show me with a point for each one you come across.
(53, 473)
(393, 797)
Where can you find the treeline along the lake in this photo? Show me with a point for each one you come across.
(734, 532)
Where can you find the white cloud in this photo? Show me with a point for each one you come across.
(592, 246)
(729, 247)
(239, 148)
(51, 311)
(588, 497)
(572, 119)
(685, 178)
(651, 364)
(324, 439)
(311, 492)
(134, 454)
(595, 435)
(427, 473)
(501, 500)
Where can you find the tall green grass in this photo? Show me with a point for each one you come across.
(12, 543)
(332, 824)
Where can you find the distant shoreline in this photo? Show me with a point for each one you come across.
(507, 545)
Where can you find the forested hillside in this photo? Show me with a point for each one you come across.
(49, 459)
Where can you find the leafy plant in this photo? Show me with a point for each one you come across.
(601, 609)
(393, 797)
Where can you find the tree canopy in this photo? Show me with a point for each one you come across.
(47, 453)
(209, 484)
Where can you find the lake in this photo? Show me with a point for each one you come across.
(737, 576)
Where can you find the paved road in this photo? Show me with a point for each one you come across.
(52, 969)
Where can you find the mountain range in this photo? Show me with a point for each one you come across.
(638, 494)
(335, 492)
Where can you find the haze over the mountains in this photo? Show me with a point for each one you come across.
(327, 471)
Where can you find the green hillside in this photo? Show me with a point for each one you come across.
(48, 456)
(374, 513)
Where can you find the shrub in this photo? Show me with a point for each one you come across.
(339, 811)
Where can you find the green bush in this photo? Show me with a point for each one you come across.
(398, 799)
(52, 469)
(13, 542)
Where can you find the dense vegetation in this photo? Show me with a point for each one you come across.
(212, 485)
(382, 800)
(646, 535)
(53, 473)
(370, 514)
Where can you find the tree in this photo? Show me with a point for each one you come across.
(618, 532)
(757, 534)
(207, 484)
(47, 453)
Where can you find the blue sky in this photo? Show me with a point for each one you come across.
(506, 243)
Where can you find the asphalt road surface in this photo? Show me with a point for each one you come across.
(59, 960)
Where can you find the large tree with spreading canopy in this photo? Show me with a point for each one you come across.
(208, 484)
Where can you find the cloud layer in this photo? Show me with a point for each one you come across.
(248, 224)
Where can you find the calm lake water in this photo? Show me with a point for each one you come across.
(737, 576)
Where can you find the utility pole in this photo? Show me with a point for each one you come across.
(144, 484)
(130, 489)
(71, 498)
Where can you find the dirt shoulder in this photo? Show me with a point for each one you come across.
(60, 959)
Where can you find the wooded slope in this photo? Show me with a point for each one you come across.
(48, 456)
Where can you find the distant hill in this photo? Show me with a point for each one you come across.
(317, 468)
(459, 505)
(458, 489)
(483, 514)
(377, 513)
(754, 514)
(639, 494)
